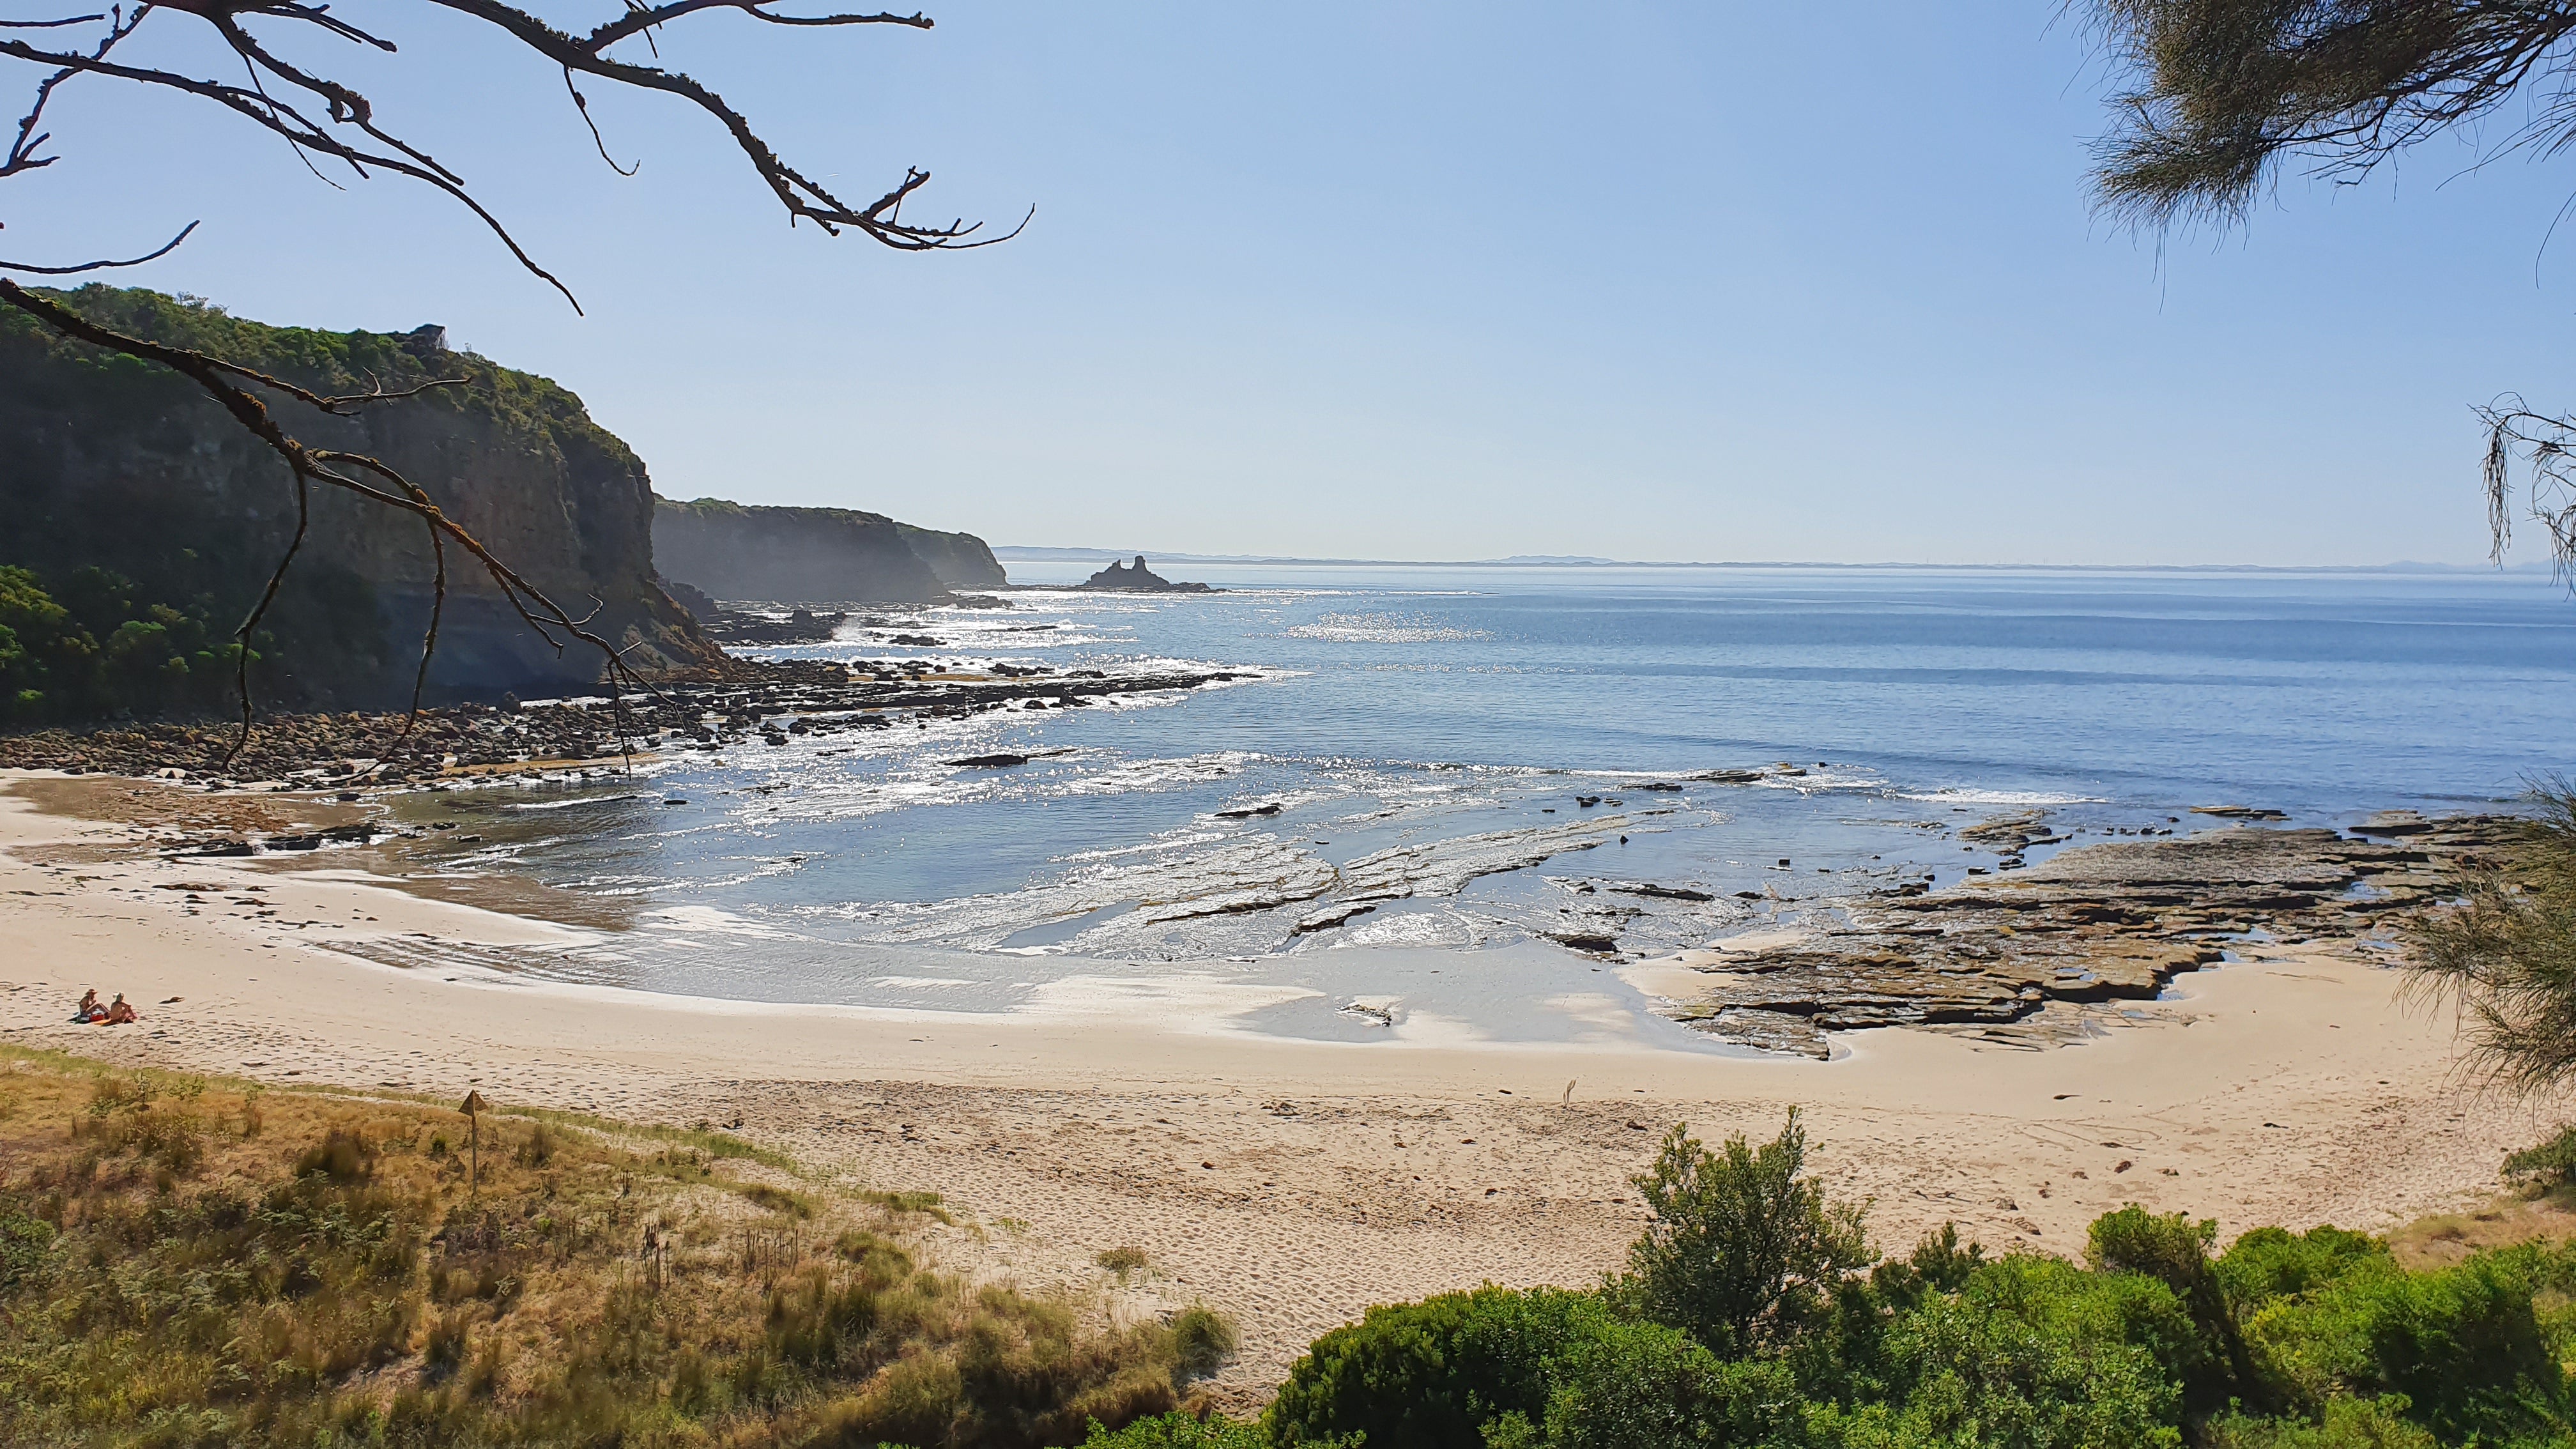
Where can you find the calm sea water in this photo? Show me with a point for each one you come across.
(1430, 735)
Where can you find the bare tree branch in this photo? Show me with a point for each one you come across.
(250, 624)
(287, 121)
(166, 249)
(802, 197)
(22, 155)
(382, 150)
(581, 103)
(429, 636)
(642, 19)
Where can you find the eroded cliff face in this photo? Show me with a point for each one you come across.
(813, 555)
(127, 466)
(961, 560)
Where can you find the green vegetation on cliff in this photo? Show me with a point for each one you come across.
(125, 479)
(100, 651)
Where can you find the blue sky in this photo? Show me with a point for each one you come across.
(1703, 281)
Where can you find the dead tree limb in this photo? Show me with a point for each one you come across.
(2543, 445)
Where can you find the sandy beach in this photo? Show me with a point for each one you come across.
(1288, 1183)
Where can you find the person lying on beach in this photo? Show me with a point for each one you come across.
(118, 1013)
(89, 1010)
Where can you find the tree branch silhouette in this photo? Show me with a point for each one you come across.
(324, 117)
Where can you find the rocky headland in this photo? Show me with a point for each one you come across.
(814, 555)
(2026, 957)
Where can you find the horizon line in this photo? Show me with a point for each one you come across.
(1053, 553)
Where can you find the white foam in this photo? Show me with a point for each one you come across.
(1956, 796)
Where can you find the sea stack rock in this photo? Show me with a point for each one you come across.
(1135, 578)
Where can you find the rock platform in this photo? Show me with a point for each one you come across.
(2091, 926)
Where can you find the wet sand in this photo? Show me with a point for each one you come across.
(1289, 1183)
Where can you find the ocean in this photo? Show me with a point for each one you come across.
(1458, 798)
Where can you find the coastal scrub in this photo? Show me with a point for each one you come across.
(195, 1263)
(1750, 1318)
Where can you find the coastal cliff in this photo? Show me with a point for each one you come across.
(131, 496)
(818, 555)
(961, 560)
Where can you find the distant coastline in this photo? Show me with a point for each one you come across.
(1040, 553)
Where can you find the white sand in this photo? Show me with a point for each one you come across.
(1288, 1183)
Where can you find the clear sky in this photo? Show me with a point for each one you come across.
(1685, 281)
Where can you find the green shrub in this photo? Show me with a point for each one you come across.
(2270, 1263)
(2462, 1344)
(25, 1242)
(1743, 1252)
(1937, 1265)
(1646, 1386)
(2347, 1424)
(2551, 1164)
(1183, 1431)
(2173, 1250)
(2063, 1300)
(2314, 1340)
(1431, 1374)
(2010, 1364)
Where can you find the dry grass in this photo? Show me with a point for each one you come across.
(2443, 1239)
(189, 1262)
(1122, 1261)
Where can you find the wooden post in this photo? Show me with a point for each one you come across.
(473, 1110)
